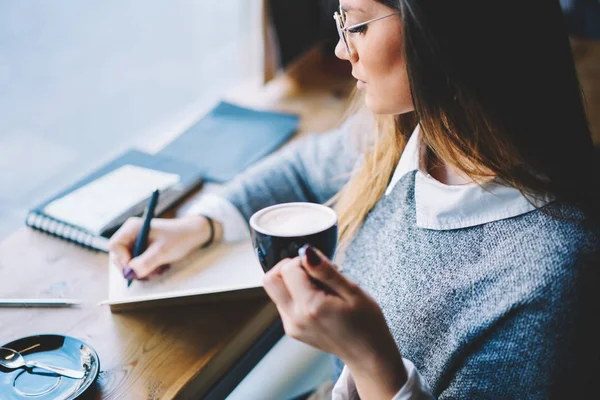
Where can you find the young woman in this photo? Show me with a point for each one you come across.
(467, 214)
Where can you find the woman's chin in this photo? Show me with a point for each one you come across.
(375, 106)
(379, 107)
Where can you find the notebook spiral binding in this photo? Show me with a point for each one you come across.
(62, 230)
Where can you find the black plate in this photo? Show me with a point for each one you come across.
(38, 384)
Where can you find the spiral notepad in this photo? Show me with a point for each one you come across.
(66, 231)
(91, 210)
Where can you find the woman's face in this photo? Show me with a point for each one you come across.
(377, 56)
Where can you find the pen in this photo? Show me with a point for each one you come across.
(38, 302)
(142, 240)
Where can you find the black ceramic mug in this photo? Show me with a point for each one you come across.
(280, 230)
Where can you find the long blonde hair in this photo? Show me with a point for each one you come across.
(381, 154)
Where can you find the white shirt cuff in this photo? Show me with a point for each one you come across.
(344, 388)
(415, 387)
(235, 227)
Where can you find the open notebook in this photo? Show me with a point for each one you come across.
(220, 272)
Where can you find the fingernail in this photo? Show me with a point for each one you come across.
(128, 273)
(302, 251)
(311, 256)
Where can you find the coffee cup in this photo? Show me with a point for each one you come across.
(279, 231)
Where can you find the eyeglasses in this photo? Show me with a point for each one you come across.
(340, 21)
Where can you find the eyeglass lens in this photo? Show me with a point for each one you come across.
(339, 22)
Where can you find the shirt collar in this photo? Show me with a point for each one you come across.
(444, 207)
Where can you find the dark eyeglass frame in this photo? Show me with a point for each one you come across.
(339, 17)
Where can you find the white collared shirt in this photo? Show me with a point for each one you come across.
(438, 207)
(444, 207)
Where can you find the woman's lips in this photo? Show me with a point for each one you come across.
(360, 84)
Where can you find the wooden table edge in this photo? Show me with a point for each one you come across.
(217, 367)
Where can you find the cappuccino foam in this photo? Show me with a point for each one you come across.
(295, 220)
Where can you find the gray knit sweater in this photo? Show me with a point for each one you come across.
(498, 310)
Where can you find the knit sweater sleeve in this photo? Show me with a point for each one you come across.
(311, 169)
(532, 351)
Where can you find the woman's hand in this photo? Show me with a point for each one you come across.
(169, 240)
(320, 307)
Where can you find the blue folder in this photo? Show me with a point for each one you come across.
(230, 138)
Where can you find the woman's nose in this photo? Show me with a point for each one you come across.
(340, 51)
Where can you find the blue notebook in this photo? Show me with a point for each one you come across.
(230, 138)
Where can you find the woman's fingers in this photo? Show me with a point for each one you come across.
(160, 270)
(321, 269)
(276, 288)
(123, 240)
(148, 261)
(297, 281)
(291, 290)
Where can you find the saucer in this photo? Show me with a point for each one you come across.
(39, 384)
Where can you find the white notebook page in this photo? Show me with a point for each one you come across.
(220, 268)
(96, 204)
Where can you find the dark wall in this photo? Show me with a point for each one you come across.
(583, 17)
(301, 24)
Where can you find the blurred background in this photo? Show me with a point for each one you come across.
(81, 80)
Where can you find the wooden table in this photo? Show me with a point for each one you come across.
(165, 352)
